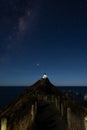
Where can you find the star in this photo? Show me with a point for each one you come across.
(38, 64)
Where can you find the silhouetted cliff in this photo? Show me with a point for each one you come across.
(42, 106)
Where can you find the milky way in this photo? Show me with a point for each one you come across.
(38, 36)
(16, 17)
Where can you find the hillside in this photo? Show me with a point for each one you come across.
(40, 106)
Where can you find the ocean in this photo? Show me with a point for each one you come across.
(8, 94)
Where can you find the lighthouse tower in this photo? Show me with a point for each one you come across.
(44, 76)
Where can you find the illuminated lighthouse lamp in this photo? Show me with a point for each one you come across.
(44, 76)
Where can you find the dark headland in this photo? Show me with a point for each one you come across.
(42, 106)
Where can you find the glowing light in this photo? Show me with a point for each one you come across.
(44, 76)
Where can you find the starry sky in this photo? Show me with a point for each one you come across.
(43, 36)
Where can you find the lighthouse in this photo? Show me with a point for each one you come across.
(44, 76)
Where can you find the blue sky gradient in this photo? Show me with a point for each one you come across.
(43, 36)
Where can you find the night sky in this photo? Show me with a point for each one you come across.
(43, 36)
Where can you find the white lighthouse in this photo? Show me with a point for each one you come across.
(44, 76)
